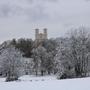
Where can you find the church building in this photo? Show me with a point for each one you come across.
(40, 37)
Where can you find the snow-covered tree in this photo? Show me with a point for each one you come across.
(49, 63)
(24, 45)
(11, 63)
(39, 58)
(63, 65)
(50, 45)
(73, 54)
(27, 66)
(36, 61)
(79, 51)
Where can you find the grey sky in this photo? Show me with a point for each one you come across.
(19, 18)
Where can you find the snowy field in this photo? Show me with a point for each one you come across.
(45, 83)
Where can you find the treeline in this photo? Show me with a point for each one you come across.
(40, 59)
(73, 54)
(24, 45)
(65, 57)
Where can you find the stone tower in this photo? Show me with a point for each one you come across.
(36, 33)
(45, 33)
(40, 36)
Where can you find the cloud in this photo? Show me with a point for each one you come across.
(42, 1)
(21, 16)
(44, 10)
(87, 0)
(34, 11)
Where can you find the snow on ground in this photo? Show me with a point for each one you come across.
(38, 78)
(2, 79)
(48, 83)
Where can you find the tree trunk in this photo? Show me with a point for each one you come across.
(42, 72)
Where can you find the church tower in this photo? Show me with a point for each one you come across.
(40, 36)
(36, 33)
(45, 33)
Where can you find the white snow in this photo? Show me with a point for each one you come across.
(38, 78)
(2, 80)
(48, 83)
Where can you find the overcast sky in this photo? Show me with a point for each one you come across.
(19, 18)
